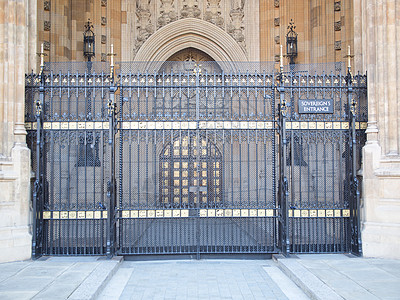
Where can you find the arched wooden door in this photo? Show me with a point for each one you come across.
(191, 173)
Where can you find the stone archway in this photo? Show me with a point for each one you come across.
(191, 33)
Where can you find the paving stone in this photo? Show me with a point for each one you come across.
(25, 284)
(204, 279)
(56, 290)
(17, 295)
(41, 271)
(351, 277)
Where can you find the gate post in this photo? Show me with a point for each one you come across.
(283, 191)
(37, 226)
(111, 184)
(354, 184)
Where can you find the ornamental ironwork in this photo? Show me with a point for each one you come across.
(196, 162)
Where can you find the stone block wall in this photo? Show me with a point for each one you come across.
(377, 53)
(259, 27)
(325, 29)
(17, 21)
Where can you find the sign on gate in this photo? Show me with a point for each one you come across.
(316, 106)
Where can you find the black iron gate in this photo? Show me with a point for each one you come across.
(187, 161)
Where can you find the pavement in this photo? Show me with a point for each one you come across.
(339, 276)
(56, 277)
(311, 276)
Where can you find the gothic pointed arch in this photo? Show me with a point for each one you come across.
(191, 33)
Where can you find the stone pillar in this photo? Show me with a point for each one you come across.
(378, 54)
(15, 215)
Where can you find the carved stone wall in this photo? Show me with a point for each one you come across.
(129, 24)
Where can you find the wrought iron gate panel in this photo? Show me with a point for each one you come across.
(195, 171)
(74, 159)
(194, 162)
(319, 162)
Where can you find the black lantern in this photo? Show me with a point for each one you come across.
(291, 42)
(88, 41)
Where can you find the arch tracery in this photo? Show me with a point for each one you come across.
(191, 33)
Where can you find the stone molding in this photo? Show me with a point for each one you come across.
(213, 13)
(144, 27)
(236, 27)
(167, 12)
(190, 9)
(195, 33)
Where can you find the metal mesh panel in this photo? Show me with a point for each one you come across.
(77, 67)
(167, 97)
(187, 67)
(318, 170)
(159, 171)
(75, 181)
(75, 171)
(74, 237)
(320, 235)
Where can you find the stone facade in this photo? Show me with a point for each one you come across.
(17, 35)
(240, 30)
(376, 53)
(316, 26)
(258, 27)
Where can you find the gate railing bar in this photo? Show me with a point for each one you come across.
(120, 172)
(354, 186)
(37, 229)
(197, 72)
(283, 181)
(111, 184)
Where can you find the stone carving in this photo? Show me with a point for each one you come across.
(103, 2)
(47, 25)
(103, 21)
(338, 45)
(103, 39)
(145, 28)
(46, 5)
(276, 21)
(168, 13)
(276, 3)
(213, 13)
(337, 6)
(277, 39)
(46, 45)
(235, 29)
(338, 26)
(103, 57)
(190, 9)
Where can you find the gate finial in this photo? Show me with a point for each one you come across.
(349, 57)
(112, 54)
(42, 55)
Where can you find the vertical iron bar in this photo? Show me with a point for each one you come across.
(37, 192)
(283, 182)
(121, 222)
(355, 193)
(111, 183)
(197, 206)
